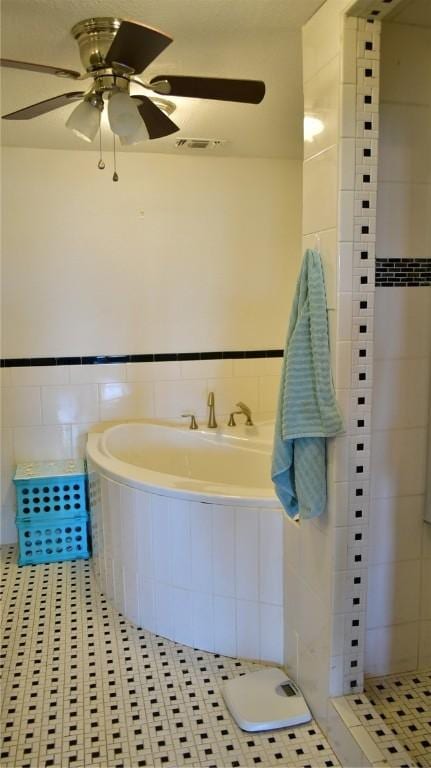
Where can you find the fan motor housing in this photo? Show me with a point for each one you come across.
(94, 37)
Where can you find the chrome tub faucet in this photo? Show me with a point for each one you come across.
(211, 416)
(244, 409)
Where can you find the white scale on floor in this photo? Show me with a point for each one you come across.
(265, 700)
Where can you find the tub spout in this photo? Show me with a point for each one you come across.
(211, 417)
(243, 408)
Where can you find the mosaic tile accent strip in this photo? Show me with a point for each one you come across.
(404, 703)
(237, 354)
(397, 273)
(82, 686)
(353, 573)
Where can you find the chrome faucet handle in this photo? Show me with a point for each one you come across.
(193, 422)
(243, 408)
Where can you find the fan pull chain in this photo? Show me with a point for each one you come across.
(101, 163)
(115, 176)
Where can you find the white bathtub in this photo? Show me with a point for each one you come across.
(187, 534)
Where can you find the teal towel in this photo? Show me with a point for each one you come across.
(307, 410)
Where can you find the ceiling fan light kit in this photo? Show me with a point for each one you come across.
(84, 121)
(113, 51)
(124, 118)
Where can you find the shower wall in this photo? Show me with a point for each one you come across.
(398, 634)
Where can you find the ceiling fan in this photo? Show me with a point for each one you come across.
(113, 51)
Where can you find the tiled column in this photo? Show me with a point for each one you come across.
(342, 91)
(357, 228)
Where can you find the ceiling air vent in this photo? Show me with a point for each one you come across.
(199, 143)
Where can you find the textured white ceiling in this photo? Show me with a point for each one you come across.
(258, 39)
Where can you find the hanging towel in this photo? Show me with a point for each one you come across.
(307, 410)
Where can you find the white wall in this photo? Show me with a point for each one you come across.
(183, 254)
(399, 586)
(210, 264)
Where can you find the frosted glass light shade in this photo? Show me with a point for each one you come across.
(123, 115)
(84, 121)
(140, 135)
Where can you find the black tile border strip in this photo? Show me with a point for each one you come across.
(402, 273)
(22, 362)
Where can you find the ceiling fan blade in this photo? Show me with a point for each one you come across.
(34, 110)
(136, 46)
(158, 124)
(27, 65)
(246, 91)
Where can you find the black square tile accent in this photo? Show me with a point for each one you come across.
(367, 152)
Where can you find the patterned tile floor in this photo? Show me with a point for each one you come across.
(84, 687)
(404, 703)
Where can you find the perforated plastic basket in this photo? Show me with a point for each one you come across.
(50, 490)
(45, 542)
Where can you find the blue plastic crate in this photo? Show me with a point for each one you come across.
(52, 542)
(50, 490)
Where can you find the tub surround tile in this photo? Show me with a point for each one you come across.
(71, 399)
(70, 404)
(36, 443)
(228, 559)
(126, 401)
(172, 398)
(153, 371)
(21, 406)
(36, 375)
(206, 369)
(97, 374)
(228, 392)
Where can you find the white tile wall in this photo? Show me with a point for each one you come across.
(397, 632)
(320, 191)
(392, 648)
(48, 410)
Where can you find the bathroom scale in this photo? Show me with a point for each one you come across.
(265, 700)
